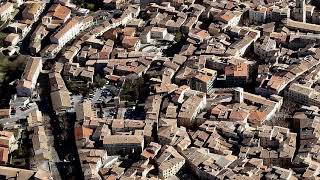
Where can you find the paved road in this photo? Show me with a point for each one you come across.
(19, 115)
(96, 96)
(106, 112)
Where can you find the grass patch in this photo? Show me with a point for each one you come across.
(19, 162)
(178, 36)
(78, 88)
(7, 66)
(99, 81)
(92, 5)
(20, 157)
(3, 35)
(132, 89)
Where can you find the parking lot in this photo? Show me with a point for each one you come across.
(108, 112)
(101, 97)
(104, 94)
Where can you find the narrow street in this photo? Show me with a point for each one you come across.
(63, 133)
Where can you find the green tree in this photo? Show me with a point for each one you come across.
(90, 6)
(178, 36)
(99, 81)
(131, 89)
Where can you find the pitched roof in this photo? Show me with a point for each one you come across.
(129, 31)
(238, 70)
(217, 109)
(60, 99)
(9, 172)
(256, 116)
(129, 41)
(5, 6)
(123, 139)
(31, 67)
(59, 11)
(82, 132)
(4, 152)
(238, 115)
(69, 25)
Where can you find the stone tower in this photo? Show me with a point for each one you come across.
(300, 10)
(238, 95)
